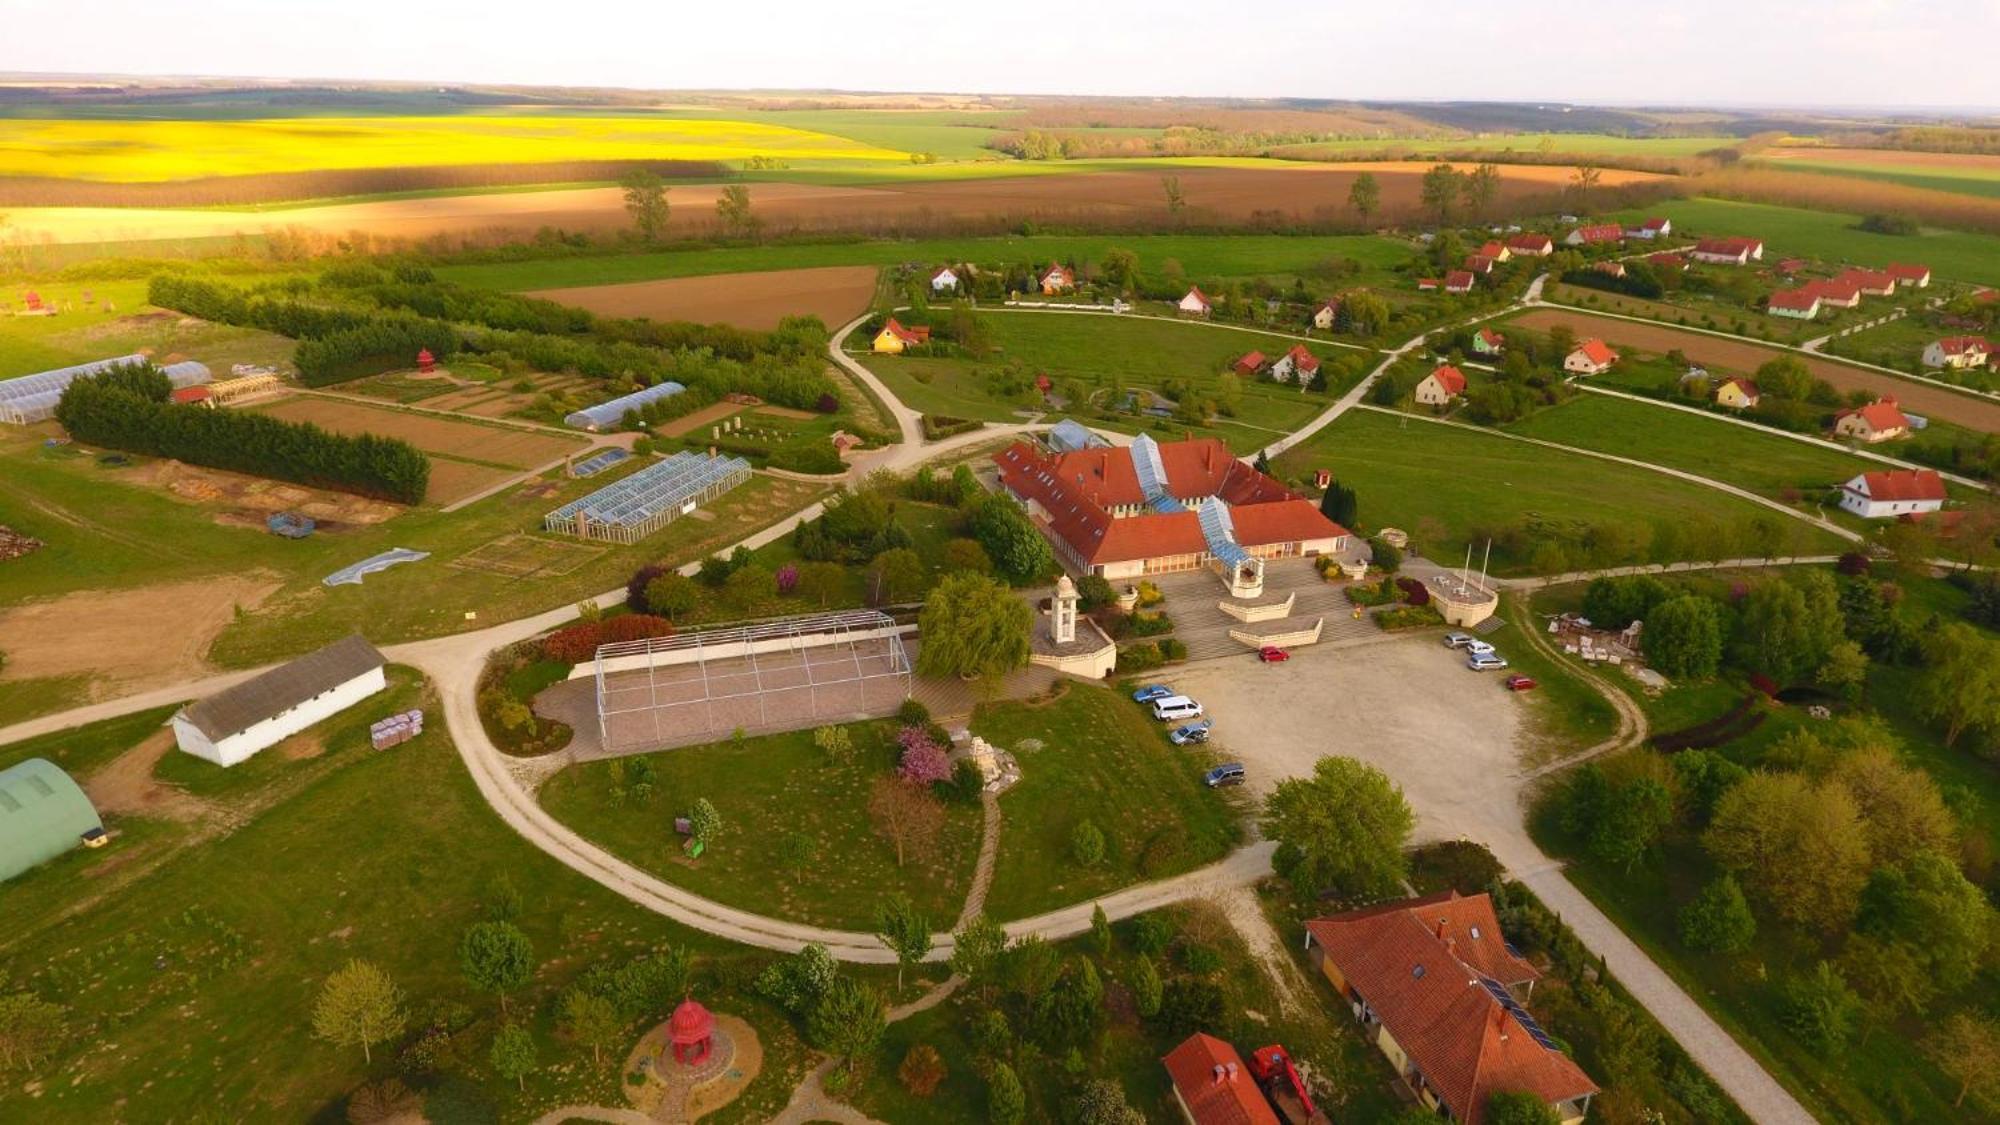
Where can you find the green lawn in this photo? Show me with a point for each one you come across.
(189, 982)
(1962, 180)
(1229, 256)
(119, 322)
(1569, 714)
(1714, 311)
(1101, 759)
(1831, 237)
(1466, 485)
(766, 788)
(83, 749)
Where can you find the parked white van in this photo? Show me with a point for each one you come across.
(1176, 707)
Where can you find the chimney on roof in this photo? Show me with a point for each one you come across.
(1500, 1021)
(1219, 1074)
(1440, 929)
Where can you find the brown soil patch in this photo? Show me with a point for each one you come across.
(301, 747)
(246, 500)
(127, 786)
(1294, 190)
(1743, 356)
(786, 412)
(747, 300)
(452, 481)
(706, 416)
(521, 449)
(127, 640)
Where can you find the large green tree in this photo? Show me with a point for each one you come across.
(1960, 687)
(496, 957)
(1343, 827)
(1017, 549)
(971, 626)
(848, 1021)
(1683, 637)
(646, 202)
(1439, 191)
(31, 1027)
(905, 930)
(1365, 196)
(1796, 845)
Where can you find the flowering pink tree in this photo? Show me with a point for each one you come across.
(924, 762)
(788, 578)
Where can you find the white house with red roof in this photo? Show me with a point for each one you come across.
(1438, 990)
(1958, 352)
(1728, 251)
(1836, 293)
(1738, 393)
(1595, 234)
(1058, 278)
(1907, 273)
(1213, 1087)
(1297, 365)
(1799, 304)
(1878, 421)
(1531, 245)
(1163, 507)
(1441, 386)
(1655, 228)
(1871, 283)
(1893, 493)
(1459, 281)
(1590, 357)
(1427, 284)
(1479, 264)
(945, 280)
(1615, 269)
(1196, 303)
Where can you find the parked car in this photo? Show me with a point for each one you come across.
(1479, 648)
(1272, 654)
(1485, 662)
(1193, 734)
(1169, 708)
(1231, 774)
(1151, 692)
(1457, 640)
(1521, 683)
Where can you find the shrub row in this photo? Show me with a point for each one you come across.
(578, 643)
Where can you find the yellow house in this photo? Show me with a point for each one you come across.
(1738, 394)
(894, 338)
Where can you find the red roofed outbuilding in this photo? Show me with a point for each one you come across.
(1213, 1087)
(1893, 493)
(1532, 245)
(1459, 281)
(1908, 273)
(1249, 363)
(1595, 234)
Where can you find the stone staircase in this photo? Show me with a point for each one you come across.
(1193, 601)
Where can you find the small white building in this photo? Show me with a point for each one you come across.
(1892, 493)
(1591, 357)
(1325, 314)
(1195, 303)
(945, 281)
(230, 726)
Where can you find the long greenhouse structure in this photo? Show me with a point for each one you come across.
(633, 508)
(608, 415)
(33, 398)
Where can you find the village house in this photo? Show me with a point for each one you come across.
(1958, 352)
(1439, 992)
(1057, 279)
(1531, 245)
(1871, 283)
(1249, 363)
(1906, 273)
(230, 726)
(1615, 269)
(1596, 234)
(1297, 365)
(894, 339)
(1879, 421)
(1488, 343)
(1213, 1087)
(1441, 386)
(1162, 507)
(1728, 251)
(1427, 284)
(1195, 303)
(1738, 394)
(1893, 493)
(1800, 304)
(1835, 294)
(944, 280)
(1653, 228)
(1459, 281)
(1326, 314)
(1496, 250)
(1590, 357)
(1668, 260)
(1479, 264)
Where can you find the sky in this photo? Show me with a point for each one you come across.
(1852, 53)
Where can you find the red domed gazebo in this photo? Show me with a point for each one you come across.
(691, 1031)
(426, 362)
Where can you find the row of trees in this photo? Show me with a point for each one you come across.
(127, 409)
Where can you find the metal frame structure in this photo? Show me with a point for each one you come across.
(628, 510)
(730, 676)
(606, 415)
(33, 398)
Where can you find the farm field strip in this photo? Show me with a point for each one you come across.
(465, 441)
(1745, 356)
(756, 301)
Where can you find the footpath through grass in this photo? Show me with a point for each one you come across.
(1091, 754)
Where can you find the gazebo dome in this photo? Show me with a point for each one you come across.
(691, 1023)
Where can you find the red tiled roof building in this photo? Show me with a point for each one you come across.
(1213, 1087)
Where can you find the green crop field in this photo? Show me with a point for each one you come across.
(1531, 143)
(1410, 474)
(1831, 237)
(1973, 177)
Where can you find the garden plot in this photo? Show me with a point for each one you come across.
(523, 556)
(493, 445)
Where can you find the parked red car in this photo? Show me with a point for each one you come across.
(1272, 654)
(1521, 683)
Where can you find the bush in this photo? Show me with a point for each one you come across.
(1385, 555)
(922, 1070)
(1414, 592)
(1461, 865)
(1151, 934)
(967, 782)
(1719, 919)
(579, 643)
(913, 713)
(1093, 592)
(1408, 617)
(1086, 844)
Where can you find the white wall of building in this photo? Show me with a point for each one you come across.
(241, 745)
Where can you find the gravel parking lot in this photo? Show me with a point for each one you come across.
(1451, 737)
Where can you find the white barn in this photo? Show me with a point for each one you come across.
(1896, 492)
(230, 726)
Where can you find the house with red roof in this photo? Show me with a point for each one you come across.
(1134, 511)
(1212, 1086)
(1907, 273)
(1654, 228)
(1426, 284)
(1801, 303)
(1615, 269)
(1728, 251)
(1488, 343)
(1441, 386)
(1058, 278)
(894, 339)
(1738, 393)
(1668, 260)
(1590, 357)
(1459, 281)
(200, 394)
(1531, 245)
(1479, 264)
(1893, 493)
(1439, 991)
(1958, 352)
(945, 280)
(1496, 250)
(1836, 293)
(1878, 421)
(1297, 365)
(1872, 283)
(1595, 234)
(1249, 363)
(1196, 303)
(1324, 316)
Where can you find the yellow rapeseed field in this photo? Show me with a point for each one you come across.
(153, 151)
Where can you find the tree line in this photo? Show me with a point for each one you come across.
(127, 408)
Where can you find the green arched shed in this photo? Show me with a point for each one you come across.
(43, 813)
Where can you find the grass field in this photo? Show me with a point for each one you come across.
(1967, 174)
(117, 321)
(190, 981)
(1099, 759)
(1831, 237)
(767, 788)
(1411, 474)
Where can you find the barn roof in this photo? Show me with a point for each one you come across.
(282, 688)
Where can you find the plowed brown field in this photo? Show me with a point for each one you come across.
(746, 300)
(520, 449)
(1224, 194)
(1744, 356)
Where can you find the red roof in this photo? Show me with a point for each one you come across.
(1491, 338)
(1195, 292)
(1729, 247)
(1791, 265)
(1479, 263)
(942, 270)
(1596, 352)
(1062, 272)
(1907, 271)
(918, 335)
(1458, 280)
(1881, 414)
(1747, 386)
(1302, 359)
(1533, 243)
(1450, 378)
(1214, 1084)
(1419, 964)
(1250, 362)
(1903, 484)
(1427, 283)
(1868, 280)
(1801, 299)
(1837, 291)
(1654, 224)
(1668, 258)
(1493, 249)
(1961, 345)
(690, 1023)
(1615, 269)
(199, 393)
(1601, 232)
